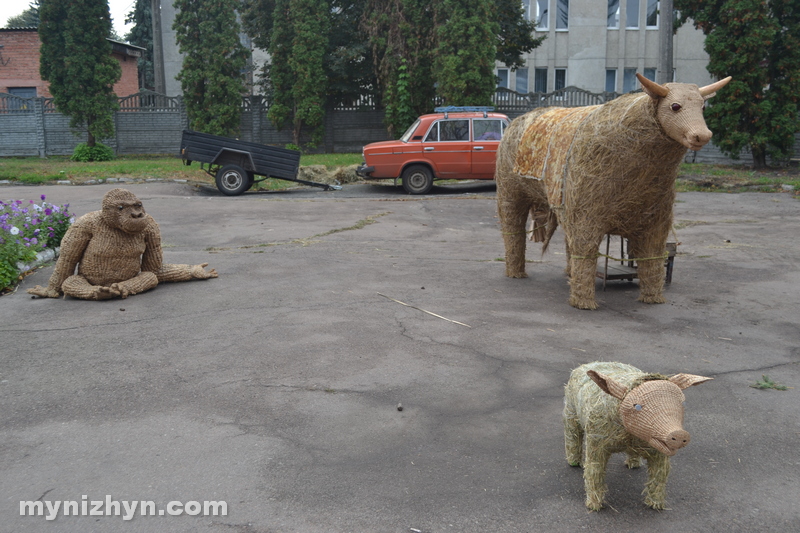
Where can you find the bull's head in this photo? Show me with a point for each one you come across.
(679, 109)
(652, 411)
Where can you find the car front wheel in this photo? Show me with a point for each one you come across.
(417, 179)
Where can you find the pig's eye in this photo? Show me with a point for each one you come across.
(638, 407)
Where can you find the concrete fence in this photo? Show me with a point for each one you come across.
(151, 123)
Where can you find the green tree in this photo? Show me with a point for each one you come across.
(464, 61)
(212, 79)
(141, 34)
(756, 42)
(27, 19)
(515, 36)
(298, 46)
(76, 59)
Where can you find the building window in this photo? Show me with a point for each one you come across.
(632, 14)
(526, 9)
(542, 14)
(561, 78)
(521, 81)
(611, 80)
(562, 12)
(629, 80)
(613, 14)
(650, 74)
(22, 92)
(540, 80)
(502, 78)
(652, 14)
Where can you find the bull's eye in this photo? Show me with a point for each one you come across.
(676, 107)
(638, 407)
(121, 207)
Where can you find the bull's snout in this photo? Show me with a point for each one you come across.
(677, 439)
(696, 139)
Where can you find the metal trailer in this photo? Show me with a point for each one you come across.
(235, 164)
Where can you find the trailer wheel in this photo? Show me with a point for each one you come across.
(417, 179)
(233, 180)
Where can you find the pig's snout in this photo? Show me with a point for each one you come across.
(677, 439)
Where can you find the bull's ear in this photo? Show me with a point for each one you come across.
(653, 89)
(684, 381)
(608, 385)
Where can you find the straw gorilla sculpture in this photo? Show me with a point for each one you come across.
(597, 170)
(118, 253)
(614, 407)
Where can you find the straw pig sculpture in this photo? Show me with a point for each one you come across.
(597, 170)
(614, 407)
(118, 253)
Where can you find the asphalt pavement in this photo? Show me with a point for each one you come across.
(278, 387)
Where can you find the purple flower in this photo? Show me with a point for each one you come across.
(48, 211)
(43, 197)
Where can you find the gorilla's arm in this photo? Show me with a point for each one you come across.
(73, 245)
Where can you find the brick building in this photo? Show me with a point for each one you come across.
(19, 64)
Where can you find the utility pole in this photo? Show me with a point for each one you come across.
(665, 29)
(159, 81)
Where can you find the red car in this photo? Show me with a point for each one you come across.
(452, 143)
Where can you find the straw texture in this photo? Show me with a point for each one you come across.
(598, 170)
(616, 408)
(117, 253)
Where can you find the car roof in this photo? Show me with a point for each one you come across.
(463, 114)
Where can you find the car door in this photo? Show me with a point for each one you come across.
(486, 134)
(447, 147)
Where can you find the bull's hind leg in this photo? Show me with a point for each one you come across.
(513, 208)
(650, 268)
(582, 271)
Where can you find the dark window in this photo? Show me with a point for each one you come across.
(540, 80)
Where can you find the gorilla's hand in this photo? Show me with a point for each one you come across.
(199, 272)
(44, 292)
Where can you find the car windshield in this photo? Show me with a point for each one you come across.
(407, 135)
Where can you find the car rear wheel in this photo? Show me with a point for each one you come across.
(233, 180)
(417, 179)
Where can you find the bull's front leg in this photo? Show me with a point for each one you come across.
(655, 490)
(513, 208)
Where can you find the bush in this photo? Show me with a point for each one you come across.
(26, 229)
(99, 152)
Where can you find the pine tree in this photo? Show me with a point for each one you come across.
(212, 79)
(756, 42)
(141, 34)
(298, 46)
(465, 55)
(76, 59)
(27, 19)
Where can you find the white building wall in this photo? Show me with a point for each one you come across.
(589, 47)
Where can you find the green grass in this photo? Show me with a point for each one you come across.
(729, 178)
(767, 383)
(34, 170)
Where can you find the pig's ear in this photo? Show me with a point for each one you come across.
(608, 385)
(684, 381)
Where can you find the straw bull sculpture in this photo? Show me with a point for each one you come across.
(614, 407)
(117, 251)
(597, 170)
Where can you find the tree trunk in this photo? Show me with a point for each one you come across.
(759, 157)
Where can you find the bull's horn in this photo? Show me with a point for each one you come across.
(714, 87)
(651, 87)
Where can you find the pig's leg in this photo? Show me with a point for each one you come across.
(655, 490)
(633, 461)
(594, 471)
(573, 436)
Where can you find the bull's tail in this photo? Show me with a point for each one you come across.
(551, 224)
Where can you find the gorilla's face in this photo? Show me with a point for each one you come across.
(122, 210)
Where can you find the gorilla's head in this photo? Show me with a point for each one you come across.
(122, 210)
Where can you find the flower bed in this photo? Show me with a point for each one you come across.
(28, 228)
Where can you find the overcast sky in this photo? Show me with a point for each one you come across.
(119, 8)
